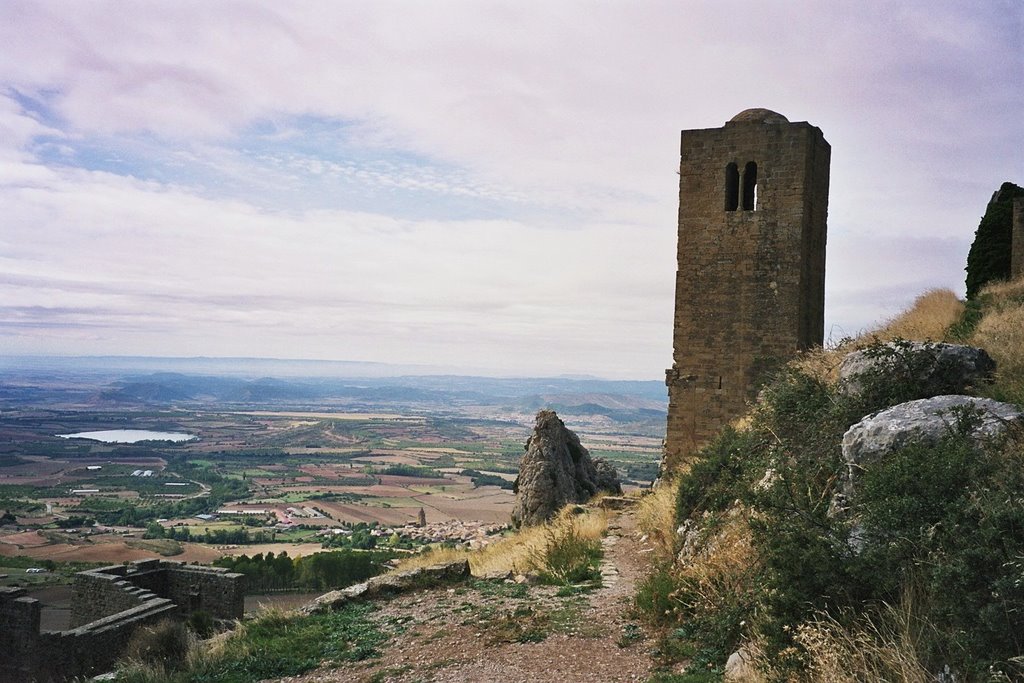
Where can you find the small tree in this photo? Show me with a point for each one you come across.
(989, 258)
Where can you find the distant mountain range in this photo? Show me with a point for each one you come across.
(123, 382)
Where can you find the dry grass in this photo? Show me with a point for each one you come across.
(931, 316)
(724, 564)
(1009, 290)
(823, 364)
(876, 649)
(517, 552)
(928, 319)
(656, 517)
(1001, 334)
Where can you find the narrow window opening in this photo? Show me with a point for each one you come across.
(750, 186)
(732, 187)
(719, 381)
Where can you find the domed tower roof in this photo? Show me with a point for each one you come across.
(758, 115)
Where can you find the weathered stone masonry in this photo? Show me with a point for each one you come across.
(109, 604)
(750, 286)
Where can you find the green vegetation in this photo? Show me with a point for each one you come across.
(272, 646)
(319, 571)
(56, 572)
(236, 536)
(411, 471)
(359, 539)
(989, 257)
(509, 613)
(567, 558)
(938, 531)
(483, 479)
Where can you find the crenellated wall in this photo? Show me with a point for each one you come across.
(109, 604)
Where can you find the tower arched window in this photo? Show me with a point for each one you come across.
(750, 186)
(732, 187)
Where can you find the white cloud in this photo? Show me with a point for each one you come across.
(500, 188)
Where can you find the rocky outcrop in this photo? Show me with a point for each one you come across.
(555, 471)
(925, 421)
(607, 477)
(935, 369)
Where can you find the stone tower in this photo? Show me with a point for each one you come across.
(750, 289)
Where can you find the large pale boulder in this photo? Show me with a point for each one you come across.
(924, 421)
(934, 368)
(555, 471)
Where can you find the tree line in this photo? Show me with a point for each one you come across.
(319, 571)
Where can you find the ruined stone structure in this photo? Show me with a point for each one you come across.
(750, 288)
(109, 604)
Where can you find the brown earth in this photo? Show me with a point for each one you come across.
(476, 633)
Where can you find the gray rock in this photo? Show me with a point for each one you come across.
(607, 476)
(740, 667)
(924, 421)
(496, 575)
(617, 503)
(936, 368)
(555, 471)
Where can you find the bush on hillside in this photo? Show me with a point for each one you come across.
(996, 323)
(945, 523)
(989, 257)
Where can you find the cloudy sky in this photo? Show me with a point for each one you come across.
(489, 186)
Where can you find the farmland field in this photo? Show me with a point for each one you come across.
(270, 473)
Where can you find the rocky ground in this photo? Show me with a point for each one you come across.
(504, 632)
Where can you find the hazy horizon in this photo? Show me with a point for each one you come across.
(247, 364)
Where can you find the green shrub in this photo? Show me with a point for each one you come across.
(714, 480)
(989, 257)
(949, 521)
(201, 623)
(567, 558)
(274, 645)
(654, 596)
(165, 644)
(944, 522)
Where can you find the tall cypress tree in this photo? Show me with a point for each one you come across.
(989, 258)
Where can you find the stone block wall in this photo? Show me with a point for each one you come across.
(750, 285)
(107, 590)
(19, 633)
(99, 593)
(108, 606)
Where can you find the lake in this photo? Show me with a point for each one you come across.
(128, 436)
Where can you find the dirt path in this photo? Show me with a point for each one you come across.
(494, 632)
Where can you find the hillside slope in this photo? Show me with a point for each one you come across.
(927, 573)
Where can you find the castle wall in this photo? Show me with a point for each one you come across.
(750, 285)
(108, 606)
(19, 633)
(101, 592)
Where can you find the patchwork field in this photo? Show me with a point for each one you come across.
(257, 481)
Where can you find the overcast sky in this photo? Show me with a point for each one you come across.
(489, 186)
